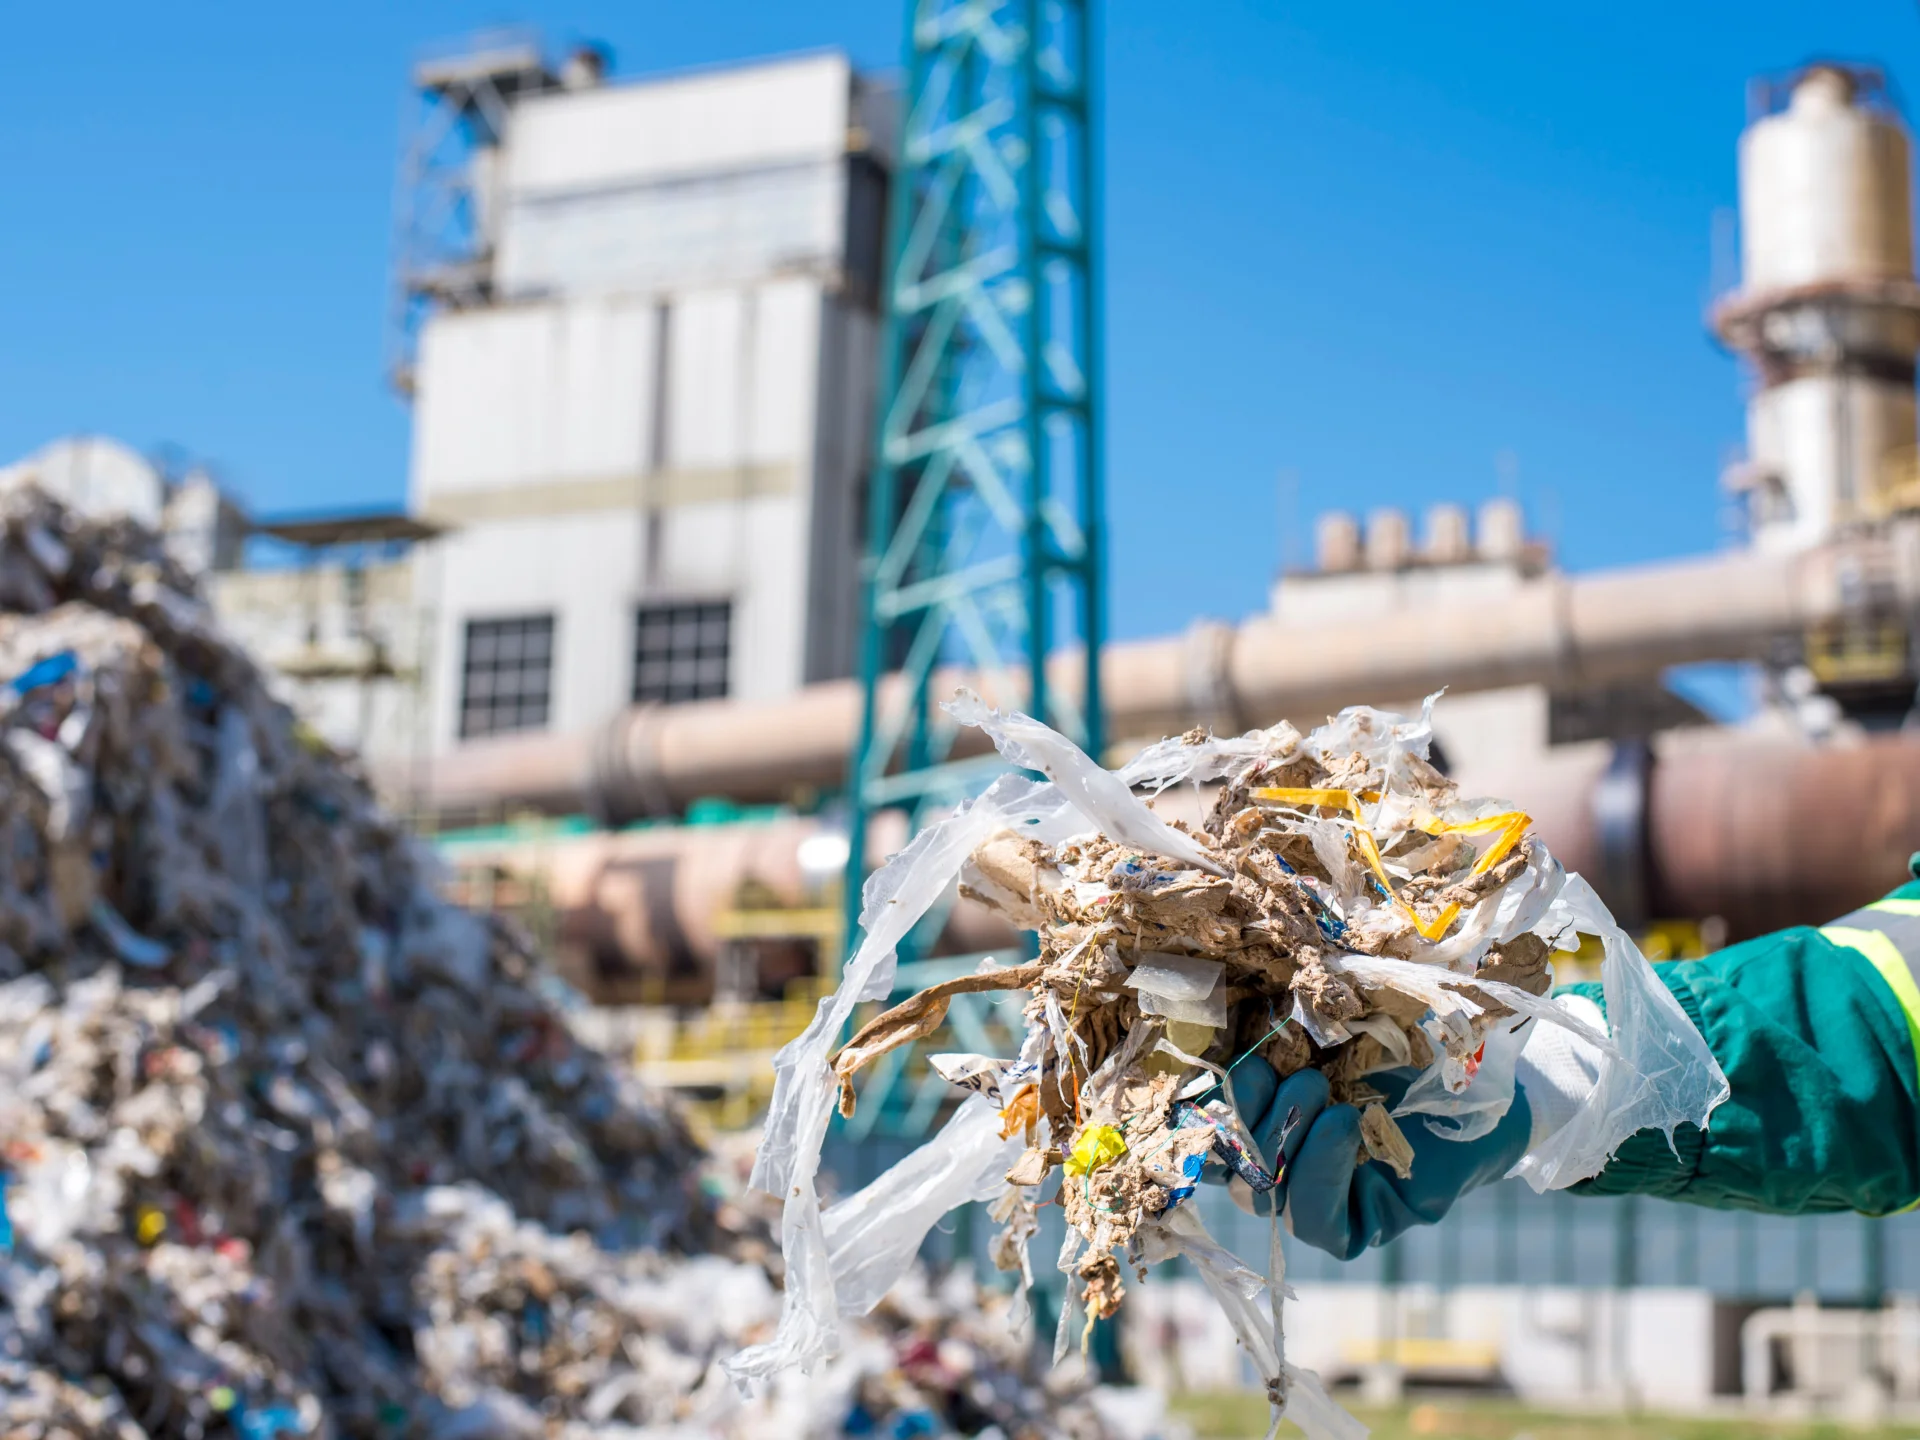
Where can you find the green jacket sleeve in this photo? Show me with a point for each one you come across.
(1819, 1053)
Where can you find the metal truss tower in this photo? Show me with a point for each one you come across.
(443, 242)
(984, 518)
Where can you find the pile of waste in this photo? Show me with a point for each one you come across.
(291, 1146)
(1341, 907)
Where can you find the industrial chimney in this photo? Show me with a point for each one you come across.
(1827, 310)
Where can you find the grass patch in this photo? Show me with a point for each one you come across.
(1238, 1414)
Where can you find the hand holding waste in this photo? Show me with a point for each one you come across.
(1342, 913)
(1336, 1196)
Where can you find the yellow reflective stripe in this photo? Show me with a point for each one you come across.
(1897, 907)
(1892, 965)
(1885, 957)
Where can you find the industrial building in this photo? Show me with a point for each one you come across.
(641, 363)
(647, 430)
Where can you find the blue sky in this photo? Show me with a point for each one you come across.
(1376, 247)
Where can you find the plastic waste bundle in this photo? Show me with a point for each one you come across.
(1341, 907)
(289, 1145)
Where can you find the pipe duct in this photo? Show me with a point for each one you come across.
(1551, 629)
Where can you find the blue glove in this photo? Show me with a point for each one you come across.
(1339, 1204)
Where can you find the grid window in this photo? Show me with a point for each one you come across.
(680, 651)
(506, 675)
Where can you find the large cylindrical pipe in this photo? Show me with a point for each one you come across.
(1769, 834)
(642, 914)
(1552, 629)
(1762, 833)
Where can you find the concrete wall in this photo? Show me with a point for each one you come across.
(302, 623)
(1548, 1345)
(728, 174)
(536, 394)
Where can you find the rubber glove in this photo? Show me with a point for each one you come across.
(1340, 1201)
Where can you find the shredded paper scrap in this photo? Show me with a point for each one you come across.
(1342, 907)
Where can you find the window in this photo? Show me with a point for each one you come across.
(680, 651)
(506, 675)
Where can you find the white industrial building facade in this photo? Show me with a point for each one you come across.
(648, 447)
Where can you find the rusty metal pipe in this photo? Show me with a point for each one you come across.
(1764, 832)
(1761, 832)
(1767, 834)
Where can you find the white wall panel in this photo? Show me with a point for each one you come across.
(463, 433)
(724, 119)
(771, 615)
(602, 388)
(706, 379)
(668, 235)
(521, 394)
(706, 550)
(743, 374)
(786, 361)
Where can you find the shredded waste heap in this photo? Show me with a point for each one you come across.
(290, 1146)
(1341, 907)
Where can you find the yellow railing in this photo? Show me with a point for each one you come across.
(1431, 1353)
(1899, 487)
(1860, 652)
(728, 1030)
(720, 1058)
(822, 924)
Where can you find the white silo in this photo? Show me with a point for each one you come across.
(1827, 310)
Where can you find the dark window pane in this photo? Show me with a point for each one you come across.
(681, 651)
(506, 674)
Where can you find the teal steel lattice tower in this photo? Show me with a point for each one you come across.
(984, 508)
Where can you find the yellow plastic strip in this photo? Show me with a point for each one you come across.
(1885, 957)
(1897, 907)
(1510, 825)
(1292, 795)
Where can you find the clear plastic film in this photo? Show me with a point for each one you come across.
(788, 1161)
(1177, 760)
(1474, 1111)
(1101, 795)
(1252, 1305)
(1392, 744)
(1449, 993)
(1657, 1073)
(874, 1235)
(1181, 987)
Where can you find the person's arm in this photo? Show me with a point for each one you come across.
(1816, 1031)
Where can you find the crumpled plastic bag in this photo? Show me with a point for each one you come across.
(873, 1236)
